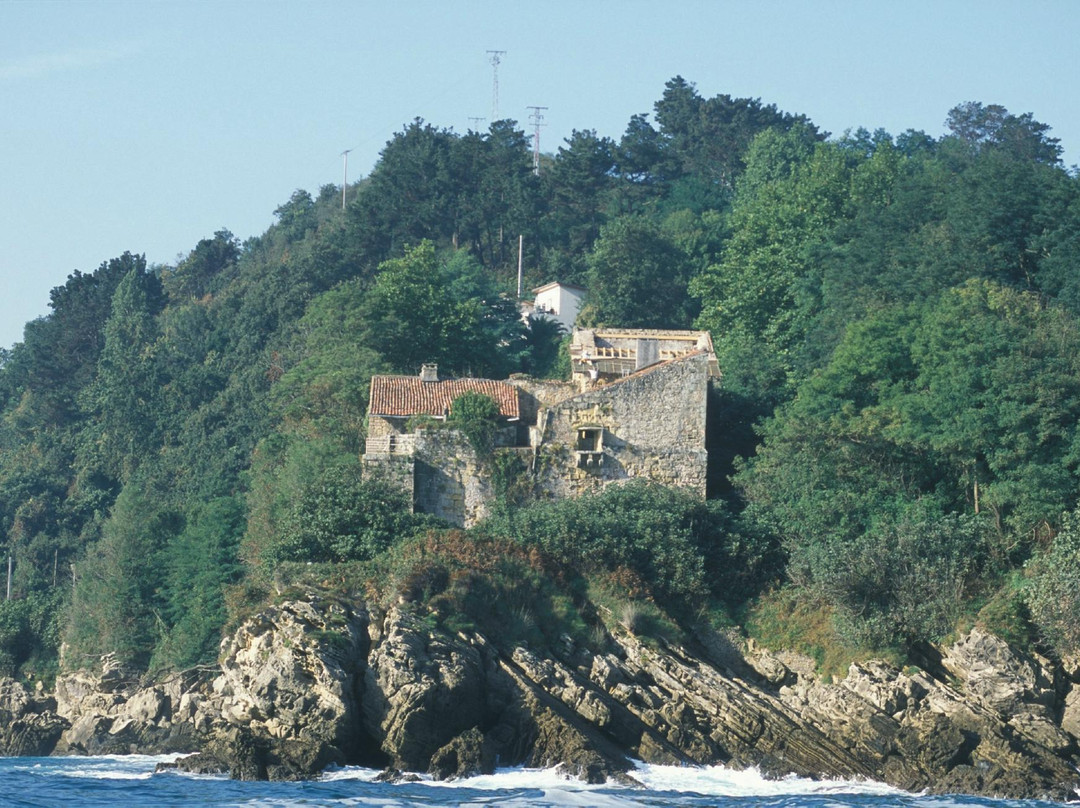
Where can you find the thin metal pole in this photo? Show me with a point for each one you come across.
(521, 250)
(9, 563)
(345, 179)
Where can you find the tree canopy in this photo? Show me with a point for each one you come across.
(896, 320)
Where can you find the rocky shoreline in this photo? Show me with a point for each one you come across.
(311, 683)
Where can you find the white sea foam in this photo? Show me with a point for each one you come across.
(719, 781)
(106, 767)
(708, 781)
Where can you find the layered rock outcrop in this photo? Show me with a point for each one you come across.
(311, 683)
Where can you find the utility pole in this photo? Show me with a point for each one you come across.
(474, 123)
(9, 562)
(494, 56)
(536, 119)
(345, 179)
(521, 251)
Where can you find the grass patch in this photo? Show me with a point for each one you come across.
(788, 618)
(1006, 614)
(621, 599)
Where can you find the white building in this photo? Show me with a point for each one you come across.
(560, 302)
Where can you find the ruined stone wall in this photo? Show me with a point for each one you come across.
(396, 469)
(536, 394)
(450, 481)
(652, 427)
(379, 427)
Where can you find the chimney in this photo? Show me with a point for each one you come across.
(429, 373)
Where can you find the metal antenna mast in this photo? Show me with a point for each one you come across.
(345, 179)
(536, 119)
(495, 56)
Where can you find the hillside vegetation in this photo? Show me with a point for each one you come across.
(897, 319)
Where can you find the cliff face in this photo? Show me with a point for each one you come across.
(308, 684)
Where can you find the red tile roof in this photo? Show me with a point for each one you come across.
(403, 396)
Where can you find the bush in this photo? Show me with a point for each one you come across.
(340, 516)
(902, 582)
(30, 633)
(510, 593)
(1054, 594)
(683, 548)
(476, 415)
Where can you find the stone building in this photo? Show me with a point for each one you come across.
(635, 408)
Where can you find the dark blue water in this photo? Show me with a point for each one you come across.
(119, 782)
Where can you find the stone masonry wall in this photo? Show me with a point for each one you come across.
(450, 481)
(396, 469)
(653, 428)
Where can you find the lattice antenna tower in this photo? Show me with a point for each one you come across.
(495, 56)
(536, 119)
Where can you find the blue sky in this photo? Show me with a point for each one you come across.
(145, 126)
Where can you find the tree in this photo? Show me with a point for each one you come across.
(992, 126)
(423, 310)
(706, 140)
(297, 216)
(409, 196)
(195, 275)
(197, 565)
(116, 605)
(761, 299)
(496, 194)
(637, 278)
(124, 395)
(577, 189)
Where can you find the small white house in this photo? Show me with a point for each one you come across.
(558, 301)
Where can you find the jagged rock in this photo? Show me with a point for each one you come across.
(771, 669)
(81, 693)
(307, 684)
(1070, 717)
(396, 776)
(995, 676)
(198, 763)
(26, 729)
(467, 755)
(421, 689)
(289, 671)
(148, 706)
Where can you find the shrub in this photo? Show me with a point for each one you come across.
(476, 415)
(339, 516)
(901, 582)
(684, 549)
(1054, 594)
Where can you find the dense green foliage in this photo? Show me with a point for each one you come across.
(476, 415)
(896, 319)
(684, 550)
(1054, 597)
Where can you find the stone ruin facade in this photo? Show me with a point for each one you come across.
(635, 408)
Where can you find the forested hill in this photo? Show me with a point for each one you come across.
(896, 318)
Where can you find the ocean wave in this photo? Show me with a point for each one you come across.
(708, 781)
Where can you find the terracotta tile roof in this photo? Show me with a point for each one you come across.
(403, 396)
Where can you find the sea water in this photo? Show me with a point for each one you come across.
(121, 781)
